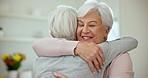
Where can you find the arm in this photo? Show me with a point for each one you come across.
(46, 47)
(57, 47)
(110, 50)
(54, 47)
(116, 47)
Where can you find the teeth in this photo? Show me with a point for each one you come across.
(86, 37)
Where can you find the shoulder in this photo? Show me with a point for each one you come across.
(121, 66)
(122, 62)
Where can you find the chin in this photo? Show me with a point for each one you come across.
(88, 41)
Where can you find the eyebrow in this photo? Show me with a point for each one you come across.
(92, 21)
(80, 21)
(88, 22)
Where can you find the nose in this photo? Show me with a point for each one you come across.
(85, 29)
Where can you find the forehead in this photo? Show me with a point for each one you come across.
(92, 16)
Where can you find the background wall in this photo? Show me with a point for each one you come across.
(134, 21)
(24, 20)
(44, 6)
(32, 20)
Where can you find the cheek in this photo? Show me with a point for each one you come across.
(97, 32)
(99, 35)
(78, 32)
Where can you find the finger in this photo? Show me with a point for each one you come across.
(91, 67)
(58, 75)
(97, 66)
(100, 61)
(101, 54)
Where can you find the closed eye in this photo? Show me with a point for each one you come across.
(92, 25)
(80, 25)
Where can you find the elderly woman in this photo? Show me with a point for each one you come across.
(93, 26)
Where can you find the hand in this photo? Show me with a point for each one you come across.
(92, 54)
(58, 75)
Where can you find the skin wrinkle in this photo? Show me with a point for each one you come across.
(91, 26)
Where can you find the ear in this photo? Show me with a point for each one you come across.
(107, 29)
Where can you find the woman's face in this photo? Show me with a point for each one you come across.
(91, 29)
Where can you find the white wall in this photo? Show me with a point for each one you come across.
(44, 6)
(133, 16)
(134, 22)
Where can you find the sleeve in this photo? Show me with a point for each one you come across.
(52, 47)
(113, 48)
(121, 67)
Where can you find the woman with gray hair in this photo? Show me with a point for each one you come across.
(89, 30)
(63, 22)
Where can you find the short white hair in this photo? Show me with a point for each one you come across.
(101, 8)
(63, 22)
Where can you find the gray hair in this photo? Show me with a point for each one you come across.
(101, 8)
(63, 22)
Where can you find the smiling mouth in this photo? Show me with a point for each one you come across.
(85, 38)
